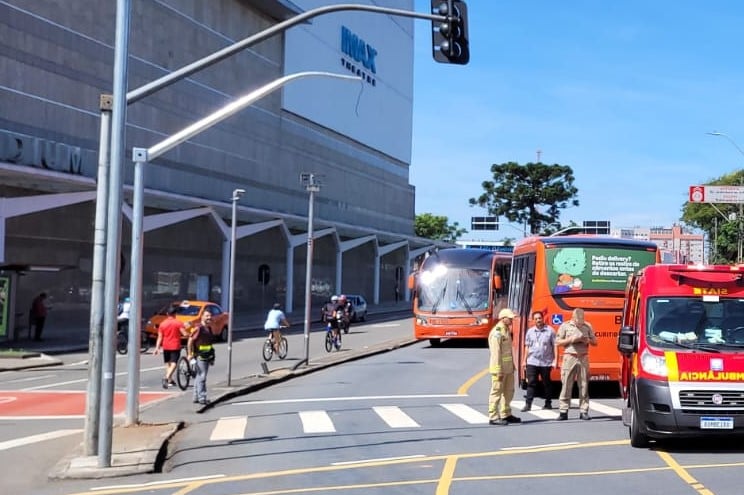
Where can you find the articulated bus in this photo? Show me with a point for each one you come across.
(457, 293)
(555, 275)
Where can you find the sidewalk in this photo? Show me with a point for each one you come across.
(138, 449)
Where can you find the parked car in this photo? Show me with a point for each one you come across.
(190, 312)
(358, 307)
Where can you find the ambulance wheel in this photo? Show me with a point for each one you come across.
(637, 439)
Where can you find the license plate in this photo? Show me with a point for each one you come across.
(713, 423)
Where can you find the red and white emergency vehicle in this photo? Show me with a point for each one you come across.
(682, 342)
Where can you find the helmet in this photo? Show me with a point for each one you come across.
(342, 297)
(506, 313)
(334, 298)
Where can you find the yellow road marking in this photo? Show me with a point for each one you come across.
(445, 480)
(463, 390)
(682, 473)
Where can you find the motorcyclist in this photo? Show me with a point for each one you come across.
(123, 308)
(346, 307)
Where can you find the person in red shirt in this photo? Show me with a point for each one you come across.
(170, 333)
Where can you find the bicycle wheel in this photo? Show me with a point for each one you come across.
(337, 343)
(283, 348)
(121, 342)
(268, 350)
(328, 342)
(183, 373)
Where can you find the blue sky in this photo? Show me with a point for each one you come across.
(622, 92)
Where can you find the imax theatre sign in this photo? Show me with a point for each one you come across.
(358, 56)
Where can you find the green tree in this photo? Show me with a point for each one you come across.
(437, 228)
(533, 193)
(722, 226)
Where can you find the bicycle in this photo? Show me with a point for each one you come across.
(185, 371)
(333, 339)
(268, 347)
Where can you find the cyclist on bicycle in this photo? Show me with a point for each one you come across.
(335, 317)
(275, 320)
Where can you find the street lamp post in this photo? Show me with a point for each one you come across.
(237, 193)
(739, 253)
(312, 185)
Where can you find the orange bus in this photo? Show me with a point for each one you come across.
(555, 275)
(457, 292)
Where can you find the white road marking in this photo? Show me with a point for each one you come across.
(379, 459)
(536, 410)
(467, 413)
(30, 378)
(332, 399)
(84, 380)
(395, 418)
(384, 325)
(316, 422)
(156, 483)
(19, 442)
(229, 428)
(24, 418)
(542, 445)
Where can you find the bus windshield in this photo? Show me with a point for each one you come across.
(446, 288)
(575, 268)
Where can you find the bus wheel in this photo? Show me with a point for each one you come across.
(637, 439)
(434, 342)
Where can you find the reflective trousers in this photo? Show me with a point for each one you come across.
(574, 369)
(502, 393)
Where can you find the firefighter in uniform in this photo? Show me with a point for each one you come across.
(575, 336)
(501, 367)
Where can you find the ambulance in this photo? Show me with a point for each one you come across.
(682, 347)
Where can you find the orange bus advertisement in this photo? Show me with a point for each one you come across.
(555, 275)
(456, 293)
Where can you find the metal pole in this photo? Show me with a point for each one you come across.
(231, 298)
(312, 187)
(93, 396)
(135, 287)
(113, 234)
(182, 73)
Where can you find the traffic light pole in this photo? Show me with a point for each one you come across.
(108, 295)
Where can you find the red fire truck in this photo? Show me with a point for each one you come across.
(682, 342)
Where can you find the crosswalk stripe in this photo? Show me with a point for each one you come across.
(316, 422)
(467, 413)
(395, 418)
(607, 410)
(229, 428)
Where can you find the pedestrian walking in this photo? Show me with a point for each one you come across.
(501, 367)
(38, 314)
(539, 351)
(200, 347)
(170, 333)
(575, 336)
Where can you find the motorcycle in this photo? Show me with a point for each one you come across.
(122, 330)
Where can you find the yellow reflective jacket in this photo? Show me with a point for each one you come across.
(500, 345)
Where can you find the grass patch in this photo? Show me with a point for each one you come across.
(17, 354)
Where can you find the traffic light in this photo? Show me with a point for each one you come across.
(449, 39)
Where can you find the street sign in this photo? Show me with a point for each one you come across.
(717, 194)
